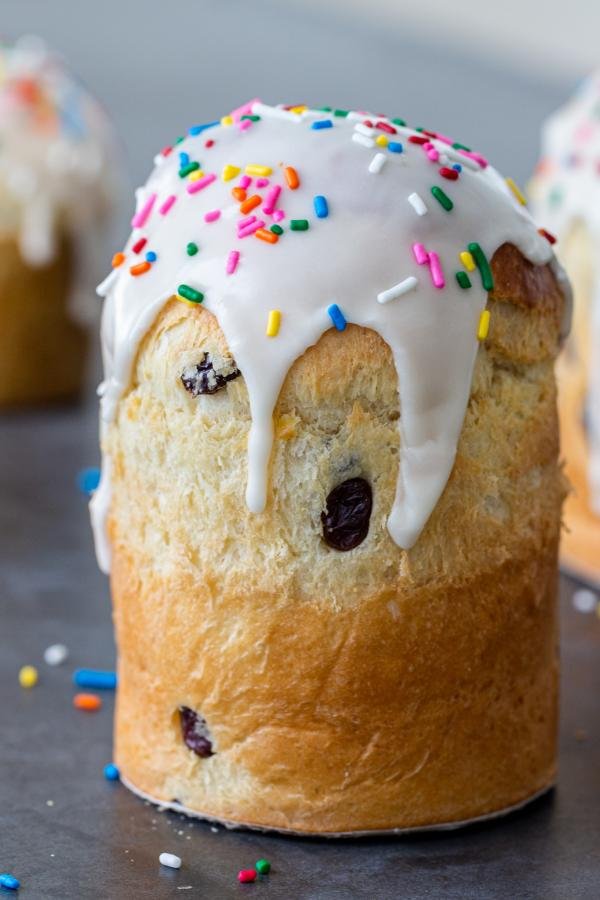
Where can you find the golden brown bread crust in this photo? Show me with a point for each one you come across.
(42, 351)
(371, 689)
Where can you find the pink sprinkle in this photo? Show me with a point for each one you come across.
(246, 123)
(278, 215)
(444, 139)
(477, 157)
(250, 229)
(421, 254)
(232, 261)
(213, 215)
(141, 217)
(435, 266)
(244, 110)
(199, 185)
(245, 181)
(271, 199)
(433, 154)
(247, 221)
(164, 209)
(262, 182)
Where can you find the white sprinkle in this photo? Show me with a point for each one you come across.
(214, 830)
(55, 654)
(184, 887)
(170, 860)
(364, 129)
(585, 601)
(418, 204)
(397, 290)
(49, 802)
(363, 139)
(377, 163)
(105, 286)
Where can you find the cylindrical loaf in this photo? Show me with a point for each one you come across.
(42, 347)
(269, 679)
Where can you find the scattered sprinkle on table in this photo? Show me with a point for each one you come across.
(28, 676)
(246, 876)
(191, 249)
(585, 601)
(9, 882)
(95, 678)
(170, 860)
(87, 702)
(55, 654)
(263, 866)
(299, 224)
(111, 772)
(321, 206)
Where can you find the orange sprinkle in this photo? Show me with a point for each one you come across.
(140, 268)
(250, 204)
(87, 702)
(239, 194)
(267, 236)
(118, 259)
(291, 176)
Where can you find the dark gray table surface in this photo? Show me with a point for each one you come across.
(66, 832)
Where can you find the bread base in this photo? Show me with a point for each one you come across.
(233, 826)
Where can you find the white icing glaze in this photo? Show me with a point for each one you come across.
(357, 253)
(57, 152)
(566, 190)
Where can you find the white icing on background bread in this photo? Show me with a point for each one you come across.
(363, 248)
(566, 190)
(57, 152)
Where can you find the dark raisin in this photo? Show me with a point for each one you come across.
(347, 513)
(194, 731)
(203, 379)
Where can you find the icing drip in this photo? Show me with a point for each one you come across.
(354, 248)
(566, 190)
(57, 154)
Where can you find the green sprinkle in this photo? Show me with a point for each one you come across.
(191, 249)
(442, 198)
(190, 293)
(251, 118)
(463, 280)
(324, 108)
(479, 256)
(299, 224)
(190, 167)
(276, 229)
(419, 128)
(180, 139)
(458, 146)
(263, 866)
(342, 113)
(400, 122)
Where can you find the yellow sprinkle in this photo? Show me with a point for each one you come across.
(273, 323)
(28, 676)
(230, 172)
(298, 109)
(381, 141)
(467, 260)
(516, 191)
(484, 325)
(196, 175)
(261, 171)
(227, 120)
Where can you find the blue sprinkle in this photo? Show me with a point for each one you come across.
(321, 123)
(150, 256)
(93, 678)
(321, 206)
(111, 772)
(457, 167)
(184, 159)
(88, 480)
(198, 129)
(337, 316)
(9, 882)
(395, 147)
